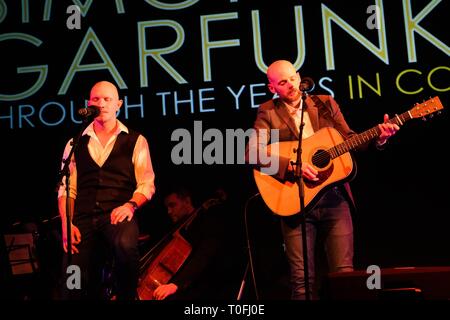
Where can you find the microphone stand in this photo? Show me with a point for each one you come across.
(301, 191)
(65, 172)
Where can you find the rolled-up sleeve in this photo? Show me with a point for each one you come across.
(145, 177)
(73, 174)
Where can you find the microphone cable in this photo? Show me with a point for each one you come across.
(250, 265)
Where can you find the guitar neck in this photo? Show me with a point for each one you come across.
(364, 137)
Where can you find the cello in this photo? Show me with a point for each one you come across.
(164, 259)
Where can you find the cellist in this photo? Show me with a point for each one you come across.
(199, 276)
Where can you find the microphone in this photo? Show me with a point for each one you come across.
(307, 84)
(90, 111)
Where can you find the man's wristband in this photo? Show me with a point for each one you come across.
(134, 204)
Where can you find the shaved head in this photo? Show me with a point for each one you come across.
(105, 96)
(105, 86)
(284, 80)
(279, 69)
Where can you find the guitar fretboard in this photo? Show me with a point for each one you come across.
(366, 136)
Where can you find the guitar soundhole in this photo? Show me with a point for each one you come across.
(321, 158)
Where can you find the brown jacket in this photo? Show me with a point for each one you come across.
(323, 111)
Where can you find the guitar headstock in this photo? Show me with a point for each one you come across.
(425, 108)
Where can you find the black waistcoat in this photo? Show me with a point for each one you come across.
(108, 186)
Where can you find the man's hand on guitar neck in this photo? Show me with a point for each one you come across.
(387, 130)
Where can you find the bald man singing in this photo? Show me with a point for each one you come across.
(330, 219)
(111, 176)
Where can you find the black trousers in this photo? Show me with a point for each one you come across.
(101, 242)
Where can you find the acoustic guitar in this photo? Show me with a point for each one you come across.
(329, 154)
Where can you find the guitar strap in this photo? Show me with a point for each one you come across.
(324, 112)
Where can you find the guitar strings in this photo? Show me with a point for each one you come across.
(345, 146)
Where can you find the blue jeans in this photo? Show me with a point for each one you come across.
(332, 219)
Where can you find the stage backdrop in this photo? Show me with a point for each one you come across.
(199, 65)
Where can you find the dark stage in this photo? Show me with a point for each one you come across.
(197, 68)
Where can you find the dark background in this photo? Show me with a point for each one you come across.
(401, 193)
